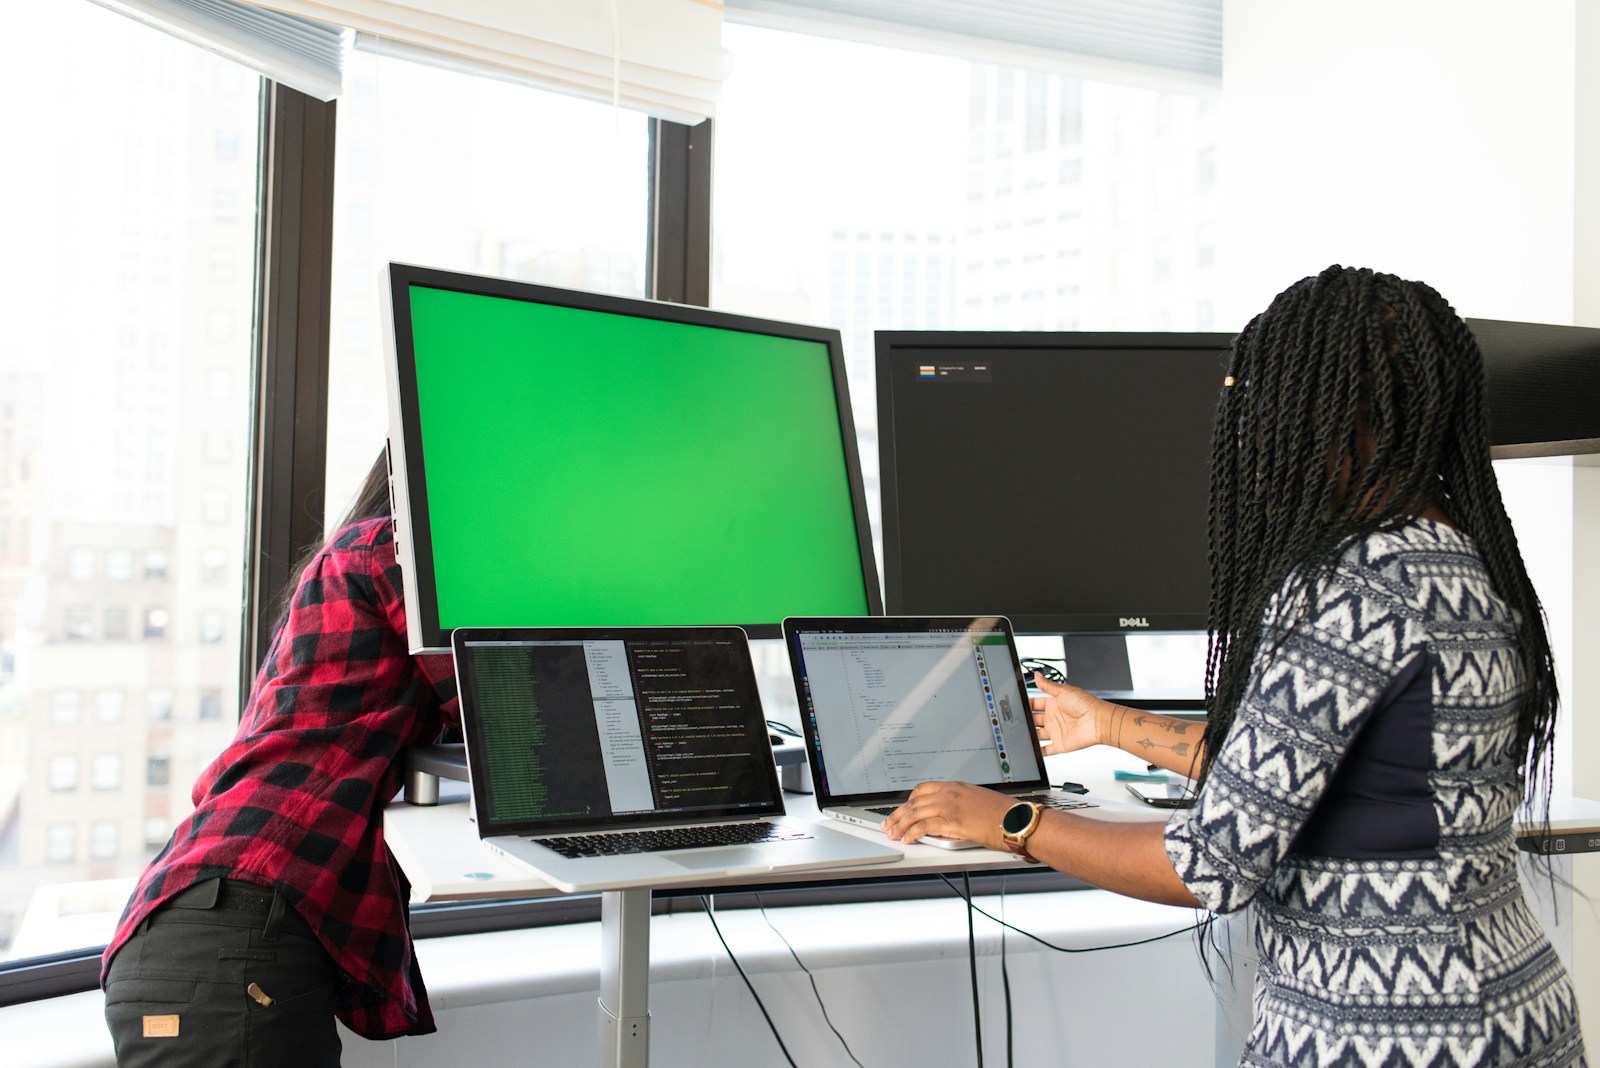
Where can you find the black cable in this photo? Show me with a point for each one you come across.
(1044, 665)
(1005, 973)
(825, 1017)
(1065, 949)
(972, 963)
(748, 985)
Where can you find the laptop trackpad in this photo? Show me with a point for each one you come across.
(702, 859)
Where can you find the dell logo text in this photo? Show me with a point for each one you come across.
(1132, 621)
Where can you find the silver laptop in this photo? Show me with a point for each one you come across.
(887, 702)
(608, 758)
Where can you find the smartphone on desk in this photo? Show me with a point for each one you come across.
(1163, 794)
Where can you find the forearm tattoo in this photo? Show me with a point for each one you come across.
(1152, 726)
(1178, 748)
(1161, 723)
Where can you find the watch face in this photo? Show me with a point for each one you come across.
(1016, 818)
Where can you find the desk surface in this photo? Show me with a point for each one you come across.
(438, 846)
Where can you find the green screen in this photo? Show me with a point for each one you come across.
(587, 468)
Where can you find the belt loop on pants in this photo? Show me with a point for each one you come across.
(269, 933)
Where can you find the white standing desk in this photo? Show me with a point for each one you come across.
(439, 850)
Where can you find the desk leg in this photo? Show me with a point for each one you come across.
(625, 978)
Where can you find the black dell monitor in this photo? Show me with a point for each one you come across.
(1059, 479)
(561, 458)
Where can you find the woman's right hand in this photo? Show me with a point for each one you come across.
(1067, 716)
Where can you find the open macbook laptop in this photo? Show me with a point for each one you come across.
(608, 758)
(887, 702)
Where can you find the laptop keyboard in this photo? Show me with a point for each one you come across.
(659, 841)
(1052, 800)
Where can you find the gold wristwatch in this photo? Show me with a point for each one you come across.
(1018, 825)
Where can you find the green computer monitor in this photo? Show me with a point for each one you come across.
(561, 458)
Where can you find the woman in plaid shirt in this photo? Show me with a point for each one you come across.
(276, 906)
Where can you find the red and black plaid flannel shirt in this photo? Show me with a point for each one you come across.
(296, 800)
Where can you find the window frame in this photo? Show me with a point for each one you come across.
(289, 407)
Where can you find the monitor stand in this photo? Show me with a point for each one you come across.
(422, 766)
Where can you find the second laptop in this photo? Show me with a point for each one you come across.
(887, 702)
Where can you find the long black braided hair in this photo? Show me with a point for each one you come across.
(1352, 404)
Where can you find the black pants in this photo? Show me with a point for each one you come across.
(224, 975)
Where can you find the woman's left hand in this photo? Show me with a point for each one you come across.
(950, 810)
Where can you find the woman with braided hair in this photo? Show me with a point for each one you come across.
(1381, 702)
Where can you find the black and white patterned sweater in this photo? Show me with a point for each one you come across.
(1363, 802)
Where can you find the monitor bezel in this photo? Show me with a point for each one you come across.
(408, 496)
(888, 342)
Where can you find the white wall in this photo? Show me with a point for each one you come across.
(1586, 474)
(1432, 139)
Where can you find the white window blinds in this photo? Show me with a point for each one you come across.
(664, 57)
(1161, 42)
(298, 52)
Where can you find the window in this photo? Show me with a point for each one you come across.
(210, 703)
(77, 623)
(211, 627)
(155, 564)
(108, 706)
(213, 565)
(103, 841)
(105, 771)
(66, 707)
(80, 564)
(157, 174)
(155, 623)
(60, 843)
(1070, 115)
(116, 623)
(62, 774)
(917, 161)
(123, 198)
(119, 564)
(158, 704)
(407, 131)
(1037, 112)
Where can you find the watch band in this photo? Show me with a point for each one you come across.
(1017, 841)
